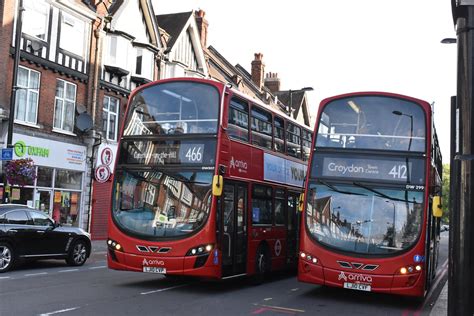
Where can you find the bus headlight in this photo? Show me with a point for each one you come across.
(308, 258)
(403, 270)
(114, 245)
(200, 250)
(418, 268)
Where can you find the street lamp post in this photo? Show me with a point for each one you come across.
(411, 126)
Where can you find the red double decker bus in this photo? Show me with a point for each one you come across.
(372, 198)
(206, 183)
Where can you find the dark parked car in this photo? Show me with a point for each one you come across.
(27, 233)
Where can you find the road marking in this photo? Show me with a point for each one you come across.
(267, 299)
(99, 267)
(294, 290)
(70, 270)
(4, 278)
(35, 274)
(60, 311)
(285, 310)
(165, 289)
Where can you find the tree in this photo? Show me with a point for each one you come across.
(445, 196)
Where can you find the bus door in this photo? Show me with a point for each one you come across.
(293, 227)
(233, 238)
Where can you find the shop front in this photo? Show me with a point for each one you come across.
(58, 189)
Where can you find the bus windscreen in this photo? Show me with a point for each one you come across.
(372, 122)
(181, 107)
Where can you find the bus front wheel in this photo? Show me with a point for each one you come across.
(262, 264)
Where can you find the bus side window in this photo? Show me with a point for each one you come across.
(261, 128)
(293, 138)
(279, 135)
(238, 123)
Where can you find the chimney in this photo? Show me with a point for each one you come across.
(258, 69)
(202, 26)
(272, 82)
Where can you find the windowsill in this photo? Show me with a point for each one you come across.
(60, 131)
(27, 124)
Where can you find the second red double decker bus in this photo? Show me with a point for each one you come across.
(206, 183)
(371, 216)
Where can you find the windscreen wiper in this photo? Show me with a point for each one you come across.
(380, 194)
(333, 188)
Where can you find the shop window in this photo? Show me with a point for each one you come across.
(44, 177)
(68, 179)
(66, 207)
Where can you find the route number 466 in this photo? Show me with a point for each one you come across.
(399, 172)
(194, 154)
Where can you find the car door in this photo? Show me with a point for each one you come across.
(50, 240)
(18, 228)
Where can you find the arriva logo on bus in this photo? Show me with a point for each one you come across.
(240, 165)
(153, 262)
(354, 277)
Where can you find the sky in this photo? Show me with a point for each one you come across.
(341, 46)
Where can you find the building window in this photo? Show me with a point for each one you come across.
(27, 93)
(118, 51)
(65, 105)
(72, 34)
(110, 117)
(35, 19)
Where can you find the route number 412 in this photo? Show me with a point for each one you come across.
(399, 172)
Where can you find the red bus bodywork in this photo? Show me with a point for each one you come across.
(242, 166)
(319, 264)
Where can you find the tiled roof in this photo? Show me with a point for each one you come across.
(173, 24)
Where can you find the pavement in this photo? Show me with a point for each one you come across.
(440, 308)
(99, 246)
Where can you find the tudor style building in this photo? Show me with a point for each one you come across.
(51, 89)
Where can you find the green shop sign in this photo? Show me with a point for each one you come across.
(21, 149)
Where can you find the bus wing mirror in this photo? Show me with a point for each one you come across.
(301, 202)
(437, 210)
(217, 185)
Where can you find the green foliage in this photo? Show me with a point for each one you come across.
(445, 196)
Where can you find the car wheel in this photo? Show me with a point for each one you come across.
(7, 258)
(77, 254)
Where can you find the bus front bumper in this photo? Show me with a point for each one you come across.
(199, 266)
(408, 284)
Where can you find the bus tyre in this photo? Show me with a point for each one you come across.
(7, 257)
(77, 254)
(261, 265)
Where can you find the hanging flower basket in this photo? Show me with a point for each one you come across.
(20, 171)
